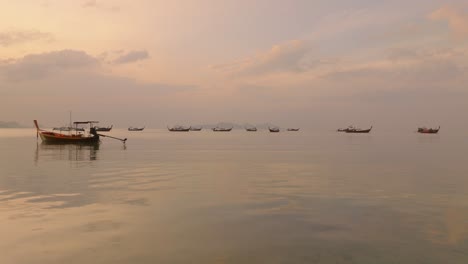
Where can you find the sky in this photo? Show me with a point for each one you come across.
(302, 63)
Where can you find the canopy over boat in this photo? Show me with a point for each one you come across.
(85, 122)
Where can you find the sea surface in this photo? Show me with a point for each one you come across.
(238, 197)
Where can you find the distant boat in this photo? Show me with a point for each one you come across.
(136, 128)
(179, 129)
(74, 138)
(103, 129)
(221, 129)
(357, 130)
(425, 130)
(345, 129)
(274, 129)
(195, 128)
(293, 129)
(251, 129)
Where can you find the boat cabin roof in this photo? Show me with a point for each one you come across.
(85, 122)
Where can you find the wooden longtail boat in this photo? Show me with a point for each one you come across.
(293, 129)
(136, 128)
(179, 129)
(103, 129)
(221, 129)
(424, 130)
(251, 129)
(358, 130)
(72, 138)
(274, 129)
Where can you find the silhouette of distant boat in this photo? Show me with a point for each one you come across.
(274, 129)
(103, 129)
(221, 129)
(357, 130)
(251, 129)
(293, 129)
(425, 130)
(179, 129)
(136, 128)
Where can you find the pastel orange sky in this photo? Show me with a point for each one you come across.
(291, 63)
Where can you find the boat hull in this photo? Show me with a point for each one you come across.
(358, 131)
(179, 130)
(428, 130)
(57, 138)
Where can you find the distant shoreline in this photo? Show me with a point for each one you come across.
(10, 124)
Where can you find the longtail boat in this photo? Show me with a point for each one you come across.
(293, 129)
(71, 138)
(251, 129)
(425, 130)
(179, 129)
(274, 129)
(358, 130)
(136, 128)
(103, 129)
(221, 129)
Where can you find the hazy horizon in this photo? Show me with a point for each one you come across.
(291, 63)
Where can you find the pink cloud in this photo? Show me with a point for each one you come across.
(285, 57)
(457, 21)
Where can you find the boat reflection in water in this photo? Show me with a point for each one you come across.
(71, 152)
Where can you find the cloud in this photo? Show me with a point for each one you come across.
(23, 36)
(407, 66)
(457, 21)
(289, 57)
(38, 66)
(89, 3)
(132, 56)
(94, 4)
(73, 79)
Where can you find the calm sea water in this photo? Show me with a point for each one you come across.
(239, 197)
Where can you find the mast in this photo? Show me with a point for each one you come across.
(70, 126)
